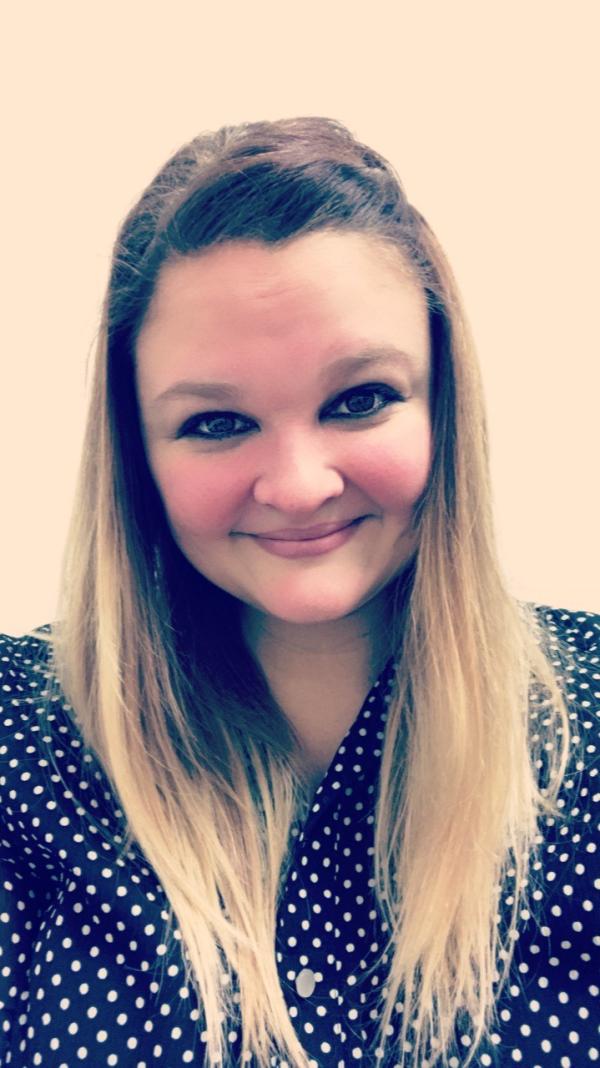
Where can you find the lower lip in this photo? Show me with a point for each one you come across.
(310, 546)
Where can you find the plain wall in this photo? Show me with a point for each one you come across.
(487, 110)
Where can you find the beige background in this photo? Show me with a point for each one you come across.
(489, 112)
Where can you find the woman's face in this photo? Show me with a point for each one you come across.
(285, 406)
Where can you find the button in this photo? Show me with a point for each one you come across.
(305, 983)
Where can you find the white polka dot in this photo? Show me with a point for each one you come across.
(107, 973)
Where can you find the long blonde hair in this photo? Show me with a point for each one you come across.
(150, 654)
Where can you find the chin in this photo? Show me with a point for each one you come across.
(308, 613)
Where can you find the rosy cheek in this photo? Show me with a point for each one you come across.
(199, 496)
(395, 469)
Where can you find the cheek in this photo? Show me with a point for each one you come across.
(200, 498)
(395, 469)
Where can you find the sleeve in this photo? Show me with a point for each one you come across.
(22, 892)
(21, 904)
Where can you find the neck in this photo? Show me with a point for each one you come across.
(320, 674)
(360, 638)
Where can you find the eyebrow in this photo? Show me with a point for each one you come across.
(372, 357)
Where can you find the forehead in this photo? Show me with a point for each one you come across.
(324, 268)
(244, 310)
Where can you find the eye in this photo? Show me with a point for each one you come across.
(363, 401)
(360, 402)
(214, 426)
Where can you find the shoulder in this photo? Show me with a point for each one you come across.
(32, 708)
(565, 877)
(50, 780)
(28, 688)
(23, 661)
(573, 641)
(572, 638)
(573, 837)
(578, 629)
(25, 676)
(37, 725)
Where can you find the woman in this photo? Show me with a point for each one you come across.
(295, 780)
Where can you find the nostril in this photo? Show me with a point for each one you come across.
(291, 492)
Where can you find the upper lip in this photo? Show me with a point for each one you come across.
(305, 533)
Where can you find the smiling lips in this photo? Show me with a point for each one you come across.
(310, 541)
(305, 533)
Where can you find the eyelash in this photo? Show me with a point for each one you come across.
(390, 396)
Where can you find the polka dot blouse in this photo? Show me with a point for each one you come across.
(85, 976)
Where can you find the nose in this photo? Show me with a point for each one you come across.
(297, 477)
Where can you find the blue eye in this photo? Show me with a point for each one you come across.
(360, 402)
(363, 401)
(217, 426)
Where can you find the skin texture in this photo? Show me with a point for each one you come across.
(271, 322)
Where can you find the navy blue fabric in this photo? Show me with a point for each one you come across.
(87, 977)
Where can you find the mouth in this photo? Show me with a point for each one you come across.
(312, 541)
(307, 533)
